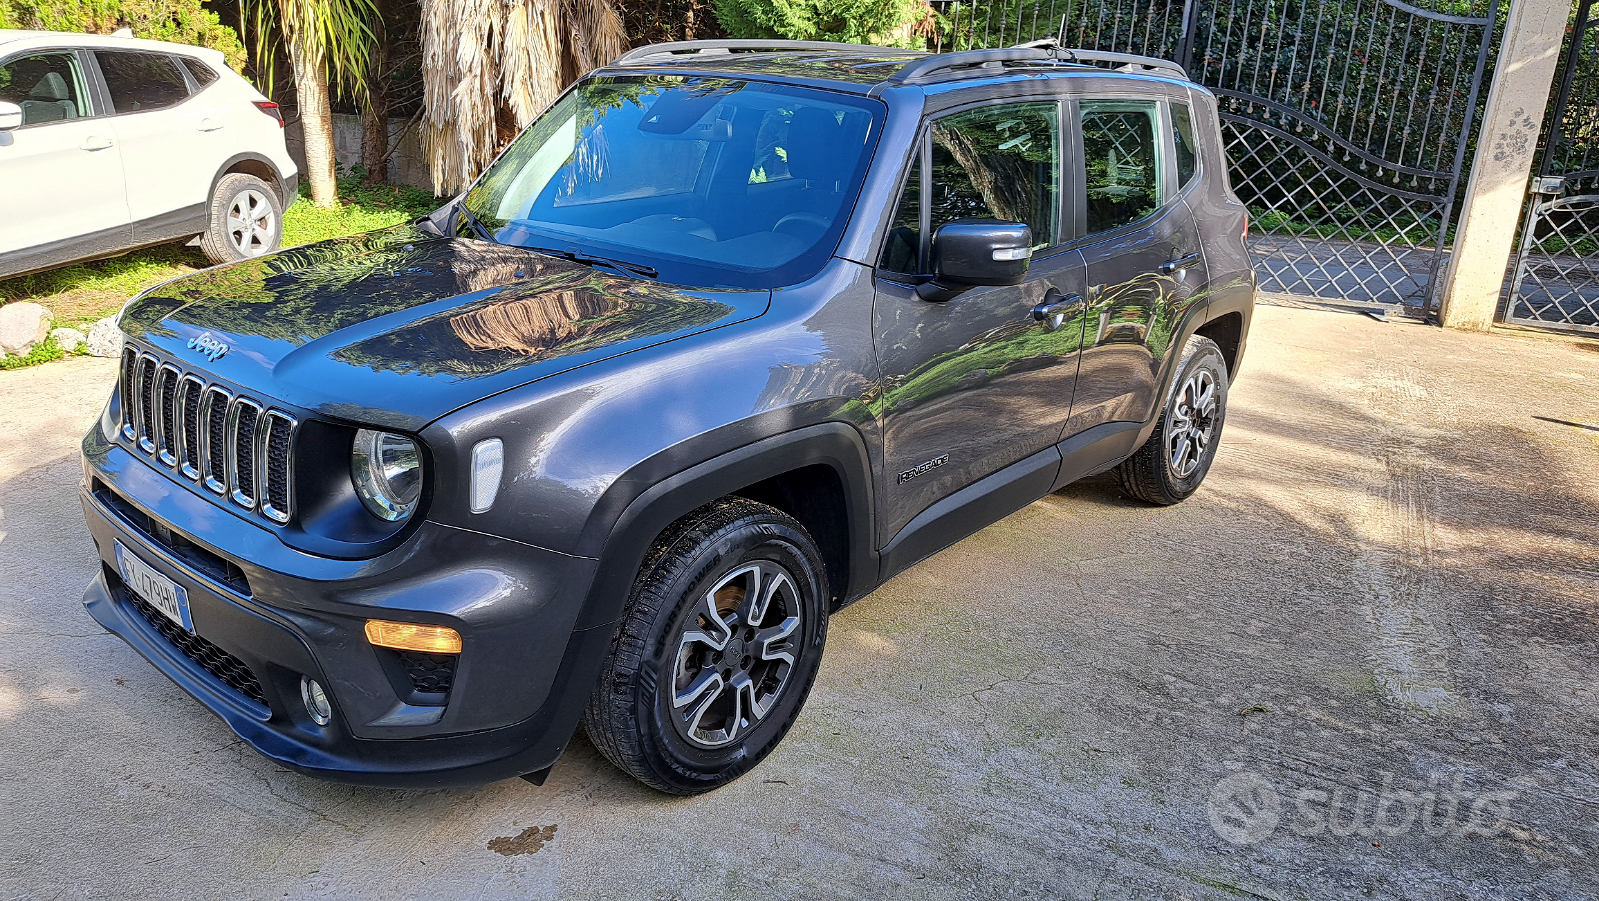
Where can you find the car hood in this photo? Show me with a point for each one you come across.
(398, 327)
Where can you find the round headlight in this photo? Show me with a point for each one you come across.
(387, 470)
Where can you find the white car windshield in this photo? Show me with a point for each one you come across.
(704, 181)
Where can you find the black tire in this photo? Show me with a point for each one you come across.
(1173, 462)
(699, 567)
(229, 236)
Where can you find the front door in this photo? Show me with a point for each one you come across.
(61, 171)
(973, 384)
(1142, 254)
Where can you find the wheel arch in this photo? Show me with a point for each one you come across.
(1227, 330)
(257, 165)
(819, 474)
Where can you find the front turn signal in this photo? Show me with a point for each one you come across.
(413, 637)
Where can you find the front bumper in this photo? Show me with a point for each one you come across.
(266, 613)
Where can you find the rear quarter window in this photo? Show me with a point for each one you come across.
(203, 74)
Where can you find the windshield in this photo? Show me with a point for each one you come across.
(706, 181)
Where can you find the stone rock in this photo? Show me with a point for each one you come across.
(105, 338)
(22, 325)
(68, 339)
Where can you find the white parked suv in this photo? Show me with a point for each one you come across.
(108, 144)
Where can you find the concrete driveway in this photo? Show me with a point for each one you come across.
(1360, 663)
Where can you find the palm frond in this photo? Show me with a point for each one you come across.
(485, 62)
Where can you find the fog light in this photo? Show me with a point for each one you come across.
(413, 637)
(316, 701)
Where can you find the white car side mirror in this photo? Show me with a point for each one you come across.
(10, 115)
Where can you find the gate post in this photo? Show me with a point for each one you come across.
(1506, 145)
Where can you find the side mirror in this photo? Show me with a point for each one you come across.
(972, 252)
(10, 115)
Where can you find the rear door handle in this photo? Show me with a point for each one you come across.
(93, 143)
(1055, 308)
(1171, 266)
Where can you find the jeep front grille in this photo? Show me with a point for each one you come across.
(235, 446)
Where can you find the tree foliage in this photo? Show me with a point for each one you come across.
(883, 22)
(179, 21)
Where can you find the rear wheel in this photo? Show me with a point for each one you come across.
(1173, 462)
(717, 649)
(245, 220)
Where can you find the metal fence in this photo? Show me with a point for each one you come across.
(1556, 274)
(1346, 121)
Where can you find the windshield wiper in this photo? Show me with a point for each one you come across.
(471, 220)
(589, 259)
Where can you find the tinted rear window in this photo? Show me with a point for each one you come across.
(141, 82)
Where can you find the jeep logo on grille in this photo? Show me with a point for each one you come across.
(209, 347)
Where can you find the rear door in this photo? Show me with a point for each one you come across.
(171, 147)
(973, 384)
(1142, 252)
(61, 171)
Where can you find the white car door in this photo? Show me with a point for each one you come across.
(171, 145)
(61, 171)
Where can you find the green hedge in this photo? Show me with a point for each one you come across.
(179, 21)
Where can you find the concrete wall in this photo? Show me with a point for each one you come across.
(408, 165)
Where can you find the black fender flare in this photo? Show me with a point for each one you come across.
(836, 445)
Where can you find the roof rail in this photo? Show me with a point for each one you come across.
(691, 48)
(924, 68)
(1130, 62)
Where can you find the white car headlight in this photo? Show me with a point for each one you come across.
(387, 471)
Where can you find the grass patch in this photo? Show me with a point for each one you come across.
(84, 292)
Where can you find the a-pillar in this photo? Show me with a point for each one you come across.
(1501, 173)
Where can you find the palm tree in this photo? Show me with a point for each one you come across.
(489, 67)
(328, 42)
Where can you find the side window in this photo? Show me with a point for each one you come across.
(1182, 126)
(48, 87)
(141, 82)
(203, 74)
(1120, 152)
(999, 162)
(902, 248)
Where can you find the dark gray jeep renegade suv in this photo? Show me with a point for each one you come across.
(735, 332)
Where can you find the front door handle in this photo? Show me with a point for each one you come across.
(93, 143)
(1172, 266)
(1055, 308)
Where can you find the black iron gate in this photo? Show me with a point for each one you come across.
(1556, 280)
(1347, 121)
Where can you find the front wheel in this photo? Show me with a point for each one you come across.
(244, 220)
(1175, 459)
(716, 651)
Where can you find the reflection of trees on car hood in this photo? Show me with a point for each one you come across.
(568, 310)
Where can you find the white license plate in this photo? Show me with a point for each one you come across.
(157, 590)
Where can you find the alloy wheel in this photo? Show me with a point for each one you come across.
(252, 224)
(735, 654)
(1192, 423)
